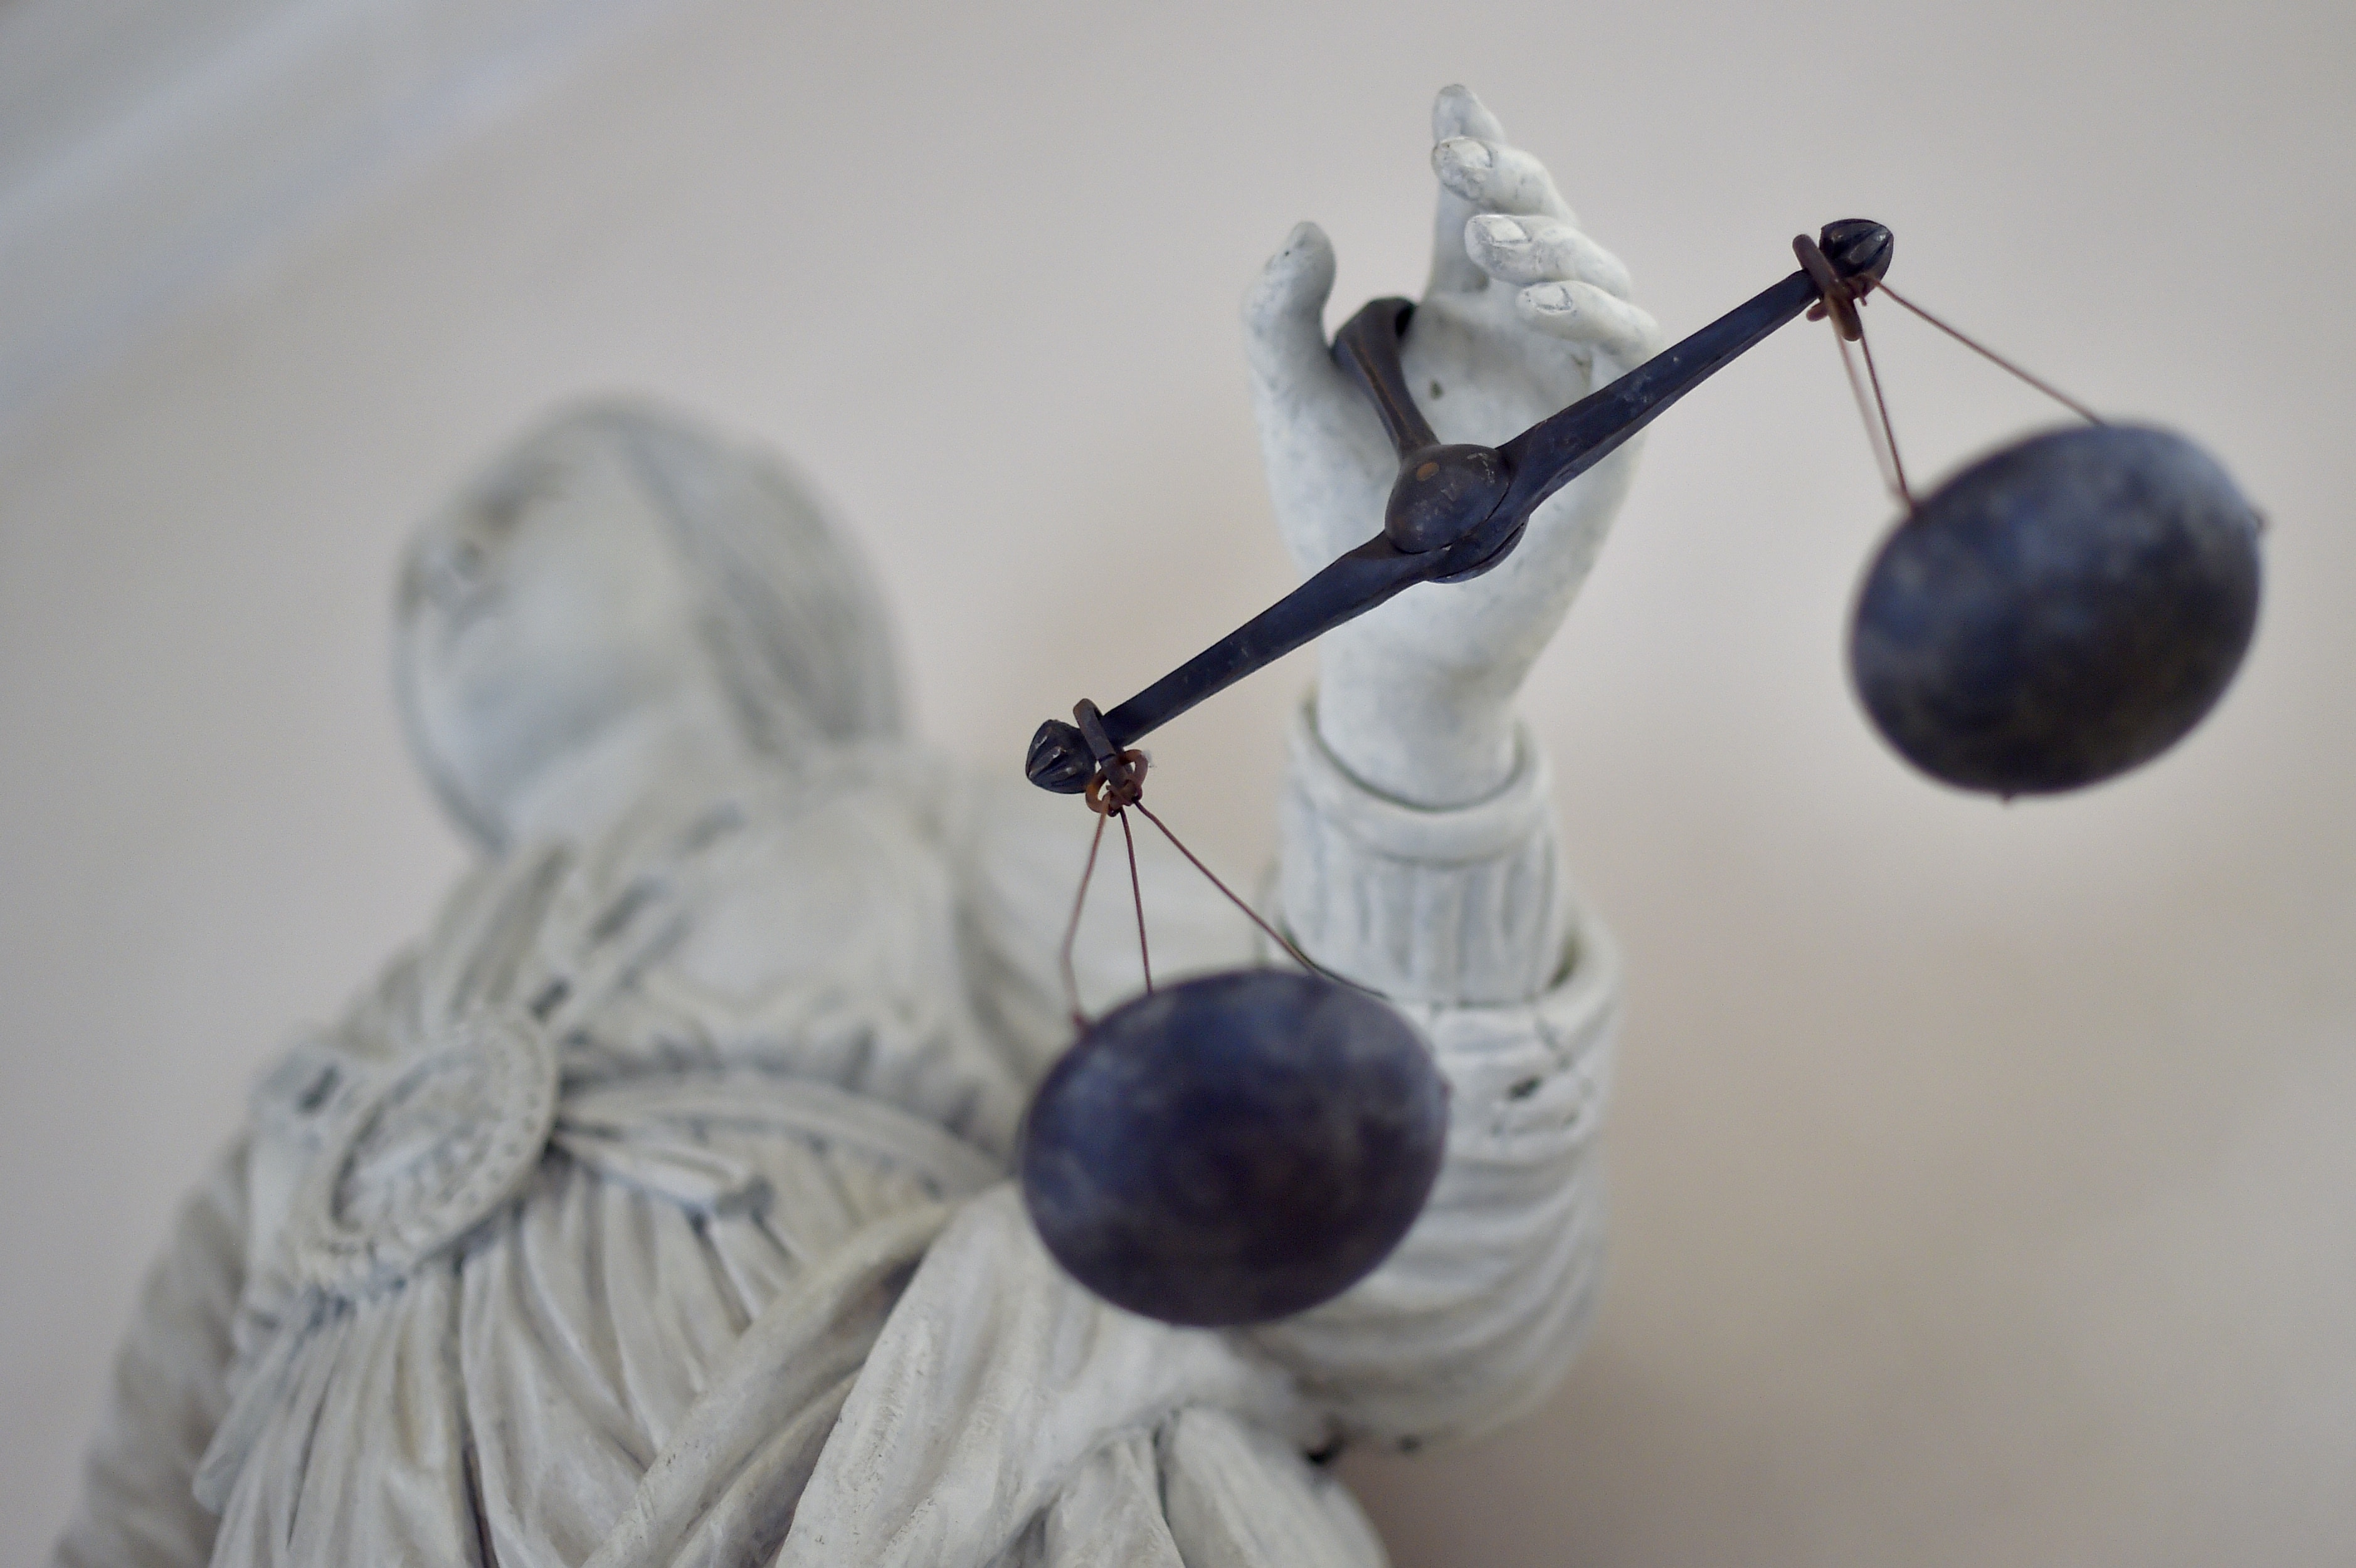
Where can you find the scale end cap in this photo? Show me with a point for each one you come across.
(1858, 246)
(1059, 759)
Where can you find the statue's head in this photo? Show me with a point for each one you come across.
(616, 568)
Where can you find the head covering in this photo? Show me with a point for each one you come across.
(784, 606)
(784, 603)
(791, 615)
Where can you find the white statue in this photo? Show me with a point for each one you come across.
(653, 1207)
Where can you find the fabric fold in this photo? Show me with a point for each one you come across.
(744, 1448)
(995, 1379)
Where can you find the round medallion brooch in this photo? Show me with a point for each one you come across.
(435, 1147)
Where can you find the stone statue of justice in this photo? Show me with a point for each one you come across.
(689, 1194)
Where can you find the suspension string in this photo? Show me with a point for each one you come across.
(1071, 930)
(1864, 413)
(1117, 784)
(1137, 892)
(1889, 431)
(1839, 300)
(2065, 398)
(1252, 915)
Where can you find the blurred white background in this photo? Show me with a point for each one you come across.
(1985, 1177)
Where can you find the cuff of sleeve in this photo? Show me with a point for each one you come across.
(1463, 905)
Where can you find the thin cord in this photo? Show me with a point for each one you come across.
(1137, 892)
(1273, 935)
(1111, 793)
(1071, 930)
(2065, 398)
(1864, 414)
(1889, 431)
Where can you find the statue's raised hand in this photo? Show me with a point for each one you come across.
(1523, 315)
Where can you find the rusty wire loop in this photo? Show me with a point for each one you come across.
(1118, 783)
(1837, 296)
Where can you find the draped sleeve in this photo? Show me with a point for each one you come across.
(1465, 919)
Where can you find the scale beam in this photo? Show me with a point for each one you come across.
(1456, 511)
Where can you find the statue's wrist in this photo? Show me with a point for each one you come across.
(1452, 906)
(1417, 735)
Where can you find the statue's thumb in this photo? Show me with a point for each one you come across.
(1284, 312)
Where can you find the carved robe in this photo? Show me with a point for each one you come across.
(653, 1211)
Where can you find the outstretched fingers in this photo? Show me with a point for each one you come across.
(1495, 177)
(1571, 288)
(1455, 114)
(1481, 175)
(1529, 249)
(1501, 220)
(1582, 314)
